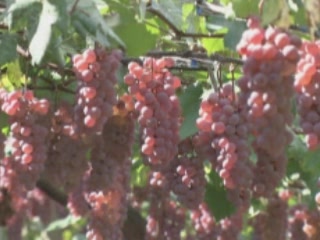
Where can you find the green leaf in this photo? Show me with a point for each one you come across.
(41, 39)
(235, 30)
(61, 224)
(190, 102)
(277, 12)
(21, 4)
(8, 45)
(138, 40)
(216, 197)
(245, 8)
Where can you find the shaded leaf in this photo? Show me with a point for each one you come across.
(8, 45)
(190, 102)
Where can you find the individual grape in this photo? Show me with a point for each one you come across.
(96, 71)
(153, 88)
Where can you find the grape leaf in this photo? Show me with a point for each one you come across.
(62, 223)
(190, 102)
(20, 4)
(216, 197)
(133, 32)
(8, 44)
(245, 8)
(41, 38)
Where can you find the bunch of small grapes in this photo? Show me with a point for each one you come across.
(307, 85)
(96, 94)
(66, 162)
(270, 56)
(153, 88)
(223, 133)
(311, 225)
(25, 145)
(107, 182)
(204, 223)
(167, 222)
(297, 216)
(185, 176)
(271, 224)
(230, 228)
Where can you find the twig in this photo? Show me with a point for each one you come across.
(74, 6)
(178, 33)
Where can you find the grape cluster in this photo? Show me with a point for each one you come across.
(96, 95)
(108, 180)
(307, 85)
(204, 223)
(270, 56)
(297, 215)
(223, 133)
(26, 144)
(166, 223)
(66, 162)
(185, 176)
(272, 224)
(153, 88)
(311, 225)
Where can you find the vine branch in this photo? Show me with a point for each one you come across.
(178, 33)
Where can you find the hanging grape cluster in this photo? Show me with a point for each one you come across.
(270, 56)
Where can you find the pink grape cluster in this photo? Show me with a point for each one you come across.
(25, 146)
(307, 85)
(271, 224)
(96, 72)
(107, 181)
(66, 162)
(153, 87)
(270, 56)
(297, 216)
(223, 131)
(186, 180)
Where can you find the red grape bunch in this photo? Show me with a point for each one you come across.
(266, 88)
(96, 95)
(25, 145)
(223, 132)
(153, 88)
(307, 85)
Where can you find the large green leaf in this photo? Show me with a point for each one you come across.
(8, 45)
(138, 40)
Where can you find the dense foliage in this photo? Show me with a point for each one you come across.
(159, 120)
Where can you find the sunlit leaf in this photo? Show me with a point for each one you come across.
(41, 39)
